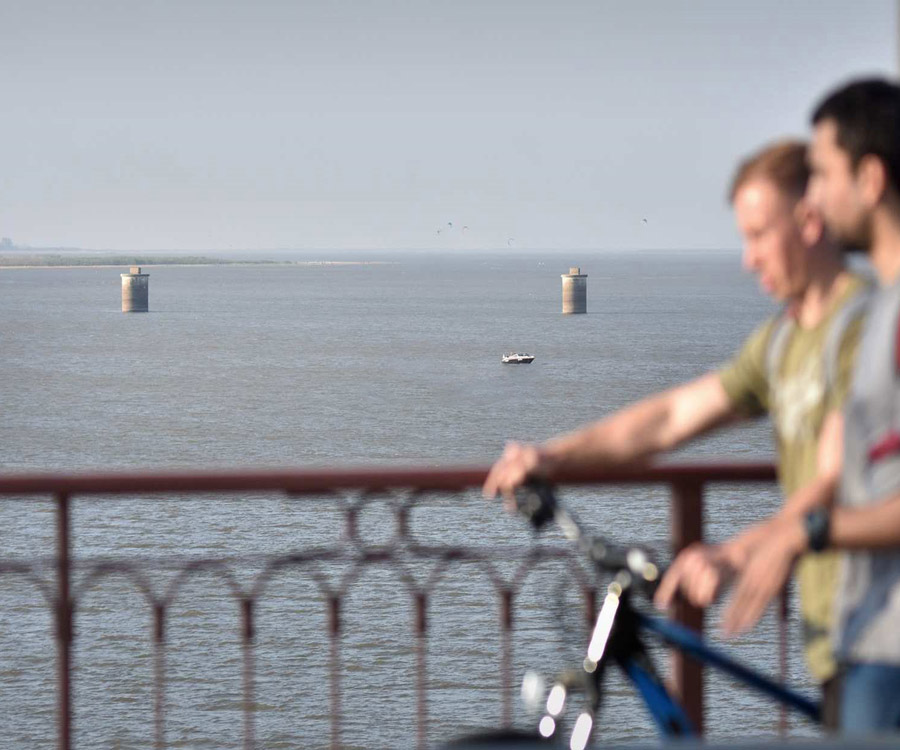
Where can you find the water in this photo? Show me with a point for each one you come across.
(322, 365)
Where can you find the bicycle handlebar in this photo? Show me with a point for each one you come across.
(538, 503)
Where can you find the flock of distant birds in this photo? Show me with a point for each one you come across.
(510, 240)
(465, 229)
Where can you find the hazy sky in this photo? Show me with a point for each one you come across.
(325, 124)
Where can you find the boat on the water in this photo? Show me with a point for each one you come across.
(515, 358)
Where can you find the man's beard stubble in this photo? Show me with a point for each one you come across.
(855, 242)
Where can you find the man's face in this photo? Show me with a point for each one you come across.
(835, 191)
(773, 244)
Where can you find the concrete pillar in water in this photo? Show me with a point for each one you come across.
(135, 291)
(574, 291)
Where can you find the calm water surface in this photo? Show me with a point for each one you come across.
(271, 366)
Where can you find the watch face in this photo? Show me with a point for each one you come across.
(817, 525)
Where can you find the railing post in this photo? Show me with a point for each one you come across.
(506, 624)
(247, 636)
(159, 674)
(63, 622)
(783, 614)
(421, 626)
(687, 528)
(334, 634)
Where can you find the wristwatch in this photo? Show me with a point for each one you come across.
(818, 528)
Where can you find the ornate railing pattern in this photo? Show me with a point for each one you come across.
(358, 487)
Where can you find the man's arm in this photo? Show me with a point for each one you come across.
(819, 491)
(785, 540)
(873, 527)
(655, 424)
(700, 570)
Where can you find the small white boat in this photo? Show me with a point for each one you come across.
(517, 359)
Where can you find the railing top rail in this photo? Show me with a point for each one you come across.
(318, 481)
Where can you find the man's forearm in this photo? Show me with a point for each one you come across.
(819, 492)
(624, 437)
(656, 424)
(875, 526)
(638, 432)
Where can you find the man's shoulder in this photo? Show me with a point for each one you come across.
(858, 292)
(763, 331)
(845, 321)
(751, 356)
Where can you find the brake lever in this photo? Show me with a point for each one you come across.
(644, 571)
(635, 566)
(536, 501)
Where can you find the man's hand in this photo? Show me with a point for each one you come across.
(519, 462)
(701, 570)
(764, 576)
(698, 571)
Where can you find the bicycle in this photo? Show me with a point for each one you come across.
(617, 637)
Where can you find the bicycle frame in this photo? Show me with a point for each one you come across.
(691, 643)
(617, 638)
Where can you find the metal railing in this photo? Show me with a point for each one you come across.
(686, 483)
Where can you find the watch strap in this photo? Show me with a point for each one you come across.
(818, 528)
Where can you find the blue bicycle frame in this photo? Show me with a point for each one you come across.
(667, 714)
(617, 637)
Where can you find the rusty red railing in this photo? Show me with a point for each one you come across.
(686, 483)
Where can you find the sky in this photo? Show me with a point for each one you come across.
(457, 125)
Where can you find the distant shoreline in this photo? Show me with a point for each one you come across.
(13, 262)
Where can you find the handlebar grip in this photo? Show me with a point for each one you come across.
(536, 501)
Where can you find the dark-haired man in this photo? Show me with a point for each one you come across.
(855, 159)
(782, 369)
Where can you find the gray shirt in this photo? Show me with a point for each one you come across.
(868, 603)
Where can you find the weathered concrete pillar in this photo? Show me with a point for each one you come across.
(135, 291)
(574, 291)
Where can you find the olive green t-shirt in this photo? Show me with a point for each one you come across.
(798, 398)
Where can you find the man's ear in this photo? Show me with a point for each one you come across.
(872, 180)
(809, 221)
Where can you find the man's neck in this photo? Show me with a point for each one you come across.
(827, 282)
(885, 250)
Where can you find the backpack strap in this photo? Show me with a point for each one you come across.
(852, 310)
(778, 337)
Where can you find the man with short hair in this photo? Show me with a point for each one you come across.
(782, 369)
(855, 160)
